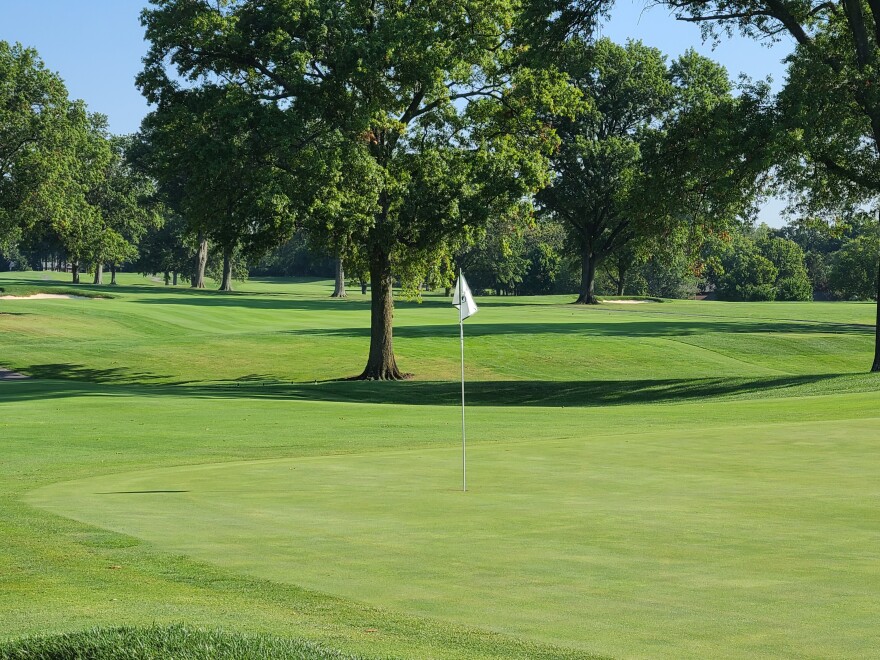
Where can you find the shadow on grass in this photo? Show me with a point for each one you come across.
(66, 380)
(610, 328)
(79, 373)
(257, 301)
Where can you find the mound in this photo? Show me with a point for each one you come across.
(177, 642)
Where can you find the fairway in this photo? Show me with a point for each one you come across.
(677, 479)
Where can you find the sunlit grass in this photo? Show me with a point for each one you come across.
(666, 479)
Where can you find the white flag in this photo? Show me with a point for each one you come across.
(463, 299)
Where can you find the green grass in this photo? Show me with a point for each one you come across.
(155, 642)
(691, 479)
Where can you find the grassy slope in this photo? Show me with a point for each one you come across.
(665, 502)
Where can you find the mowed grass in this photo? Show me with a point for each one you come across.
(678, 479)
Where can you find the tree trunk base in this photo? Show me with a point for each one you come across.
(339, 284)
(586, 300)
(382, 374)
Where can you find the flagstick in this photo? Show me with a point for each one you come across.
(463, 442)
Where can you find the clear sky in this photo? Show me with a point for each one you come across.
(97, 45)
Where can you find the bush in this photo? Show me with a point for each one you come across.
(794, 288)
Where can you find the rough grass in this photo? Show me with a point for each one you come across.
(691, 479)
(159, 642)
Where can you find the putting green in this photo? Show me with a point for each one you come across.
(701, 538)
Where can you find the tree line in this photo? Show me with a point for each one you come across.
(407, 139)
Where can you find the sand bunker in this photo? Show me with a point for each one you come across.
(5, 374)
(44, 296)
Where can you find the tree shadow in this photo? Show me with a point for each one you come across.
(577, 393)
(82, 374)
(258, 301)
(67, 380)
(597, 327)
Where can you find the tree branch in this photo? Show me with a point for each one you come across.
(856, 19)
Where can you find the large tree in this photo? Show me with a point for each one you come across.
(829, 109)
(45, 145)
(615, 182)
(428, 100)
(597, 167)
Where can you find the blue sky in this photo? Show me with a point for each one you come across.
(97, 46)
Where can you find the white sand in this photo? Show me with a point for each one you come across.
(44, 296)
(10, 375)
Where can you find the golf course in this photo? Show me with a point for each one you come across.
(649, 478)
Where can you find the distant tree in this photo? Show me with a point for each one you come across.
(598, 164)
(757, 265)
(297, 256)
(229, 267)
(166, 248)
(51, 152)
(641, 160)
(126, 202)
(205, 149)
(741, 271)
(854, 268)
(549, 268)
(497, 260)
(34, 111)
(820, 239)
(669, 274)
(792, 280)
(77, 217)
(624, 261)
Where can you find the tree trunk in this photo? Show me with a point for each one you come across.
(167, 278)
(99, 274)
(339, 287)
(363, 287)
(174, 278)
(586, 294)
(226, 283)
(621, 278)
(381, 364)
(113, 275)
(198, 280)
(876, 366)
(74, 271)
